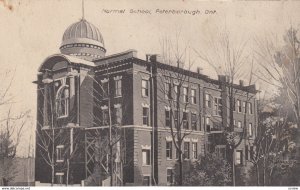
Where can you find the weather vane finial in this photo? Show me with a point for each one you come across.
(82, 9)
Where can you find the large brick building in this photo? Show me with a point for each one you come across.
(82, 93)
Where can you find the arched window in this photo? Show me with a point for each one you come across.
(62, 102)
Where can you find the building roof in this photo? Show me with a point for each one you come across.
(83, 32)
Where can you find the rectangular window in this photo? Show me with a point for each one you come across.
(59, 177)
(239, 105)
(169, 150)
(176, 90)
(250, 131)
(244, 107)
(145, 116)
(239, 124)
(105, 89)
(118, 88)
(118, 115)
(168, 118)
(234, 123)
(145, 88)
(194, 151)
(221, 151)
(146, 157)
(185, 95)
(239, 157)
(59, 153)
(207, 123)
(176, 154)
(251, 152)
(146, 180)
(193, 96)
(170, 177)
(207, 101)
(218, 106)
(168, 91)
(250, 108)
(194, 121)
(185, 120)
(186, 150)
(176, 115)
(105, 117)
(62, 99)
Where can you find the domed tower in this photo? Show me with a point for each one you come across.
(82, 39)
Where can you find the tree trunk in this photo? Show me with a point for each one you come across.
(233, 169)
(68, 170)
(264, 171)
(52, 176)
(180, 169)
(111, 166)
(257, 174)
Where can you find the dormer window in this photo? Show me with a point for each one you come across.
(62, 102)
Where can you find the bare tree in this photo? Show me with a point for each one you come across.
(228, 58)
(50, 134)
(11, 128)
(108, 135)
(172, 77)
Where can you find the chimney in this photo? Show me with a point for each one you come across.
(154, 58)
(222, 78)
(227, 78)
(241, 83)
(199, 70)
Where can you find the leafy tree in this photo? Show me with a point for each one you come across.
(210, 169)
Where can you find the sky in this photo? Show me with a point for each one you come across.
(32, 30)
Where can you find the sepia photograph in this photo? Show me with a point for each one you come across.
(98, 93)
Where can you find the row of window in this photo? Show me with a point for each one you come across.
(185, 119)
(81, 45)
(146, 154)
(239, 125)
(186, 97)
(186, 150)
(86, 54)
(117, 88)
(116, 116)
(249, 154)
(170, 178)
(240, 107)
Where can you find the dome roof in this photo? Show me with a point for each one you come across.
(83, 32)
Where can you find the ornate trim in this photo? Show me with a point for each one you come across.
(194, 87)
(194, 140)
(105, 107)
(168, 108)
(118, 78)
(186, 139)
(47, 80)
(145, 77)
(104, 80)
(175, 82)
(186, 110)
(146, 147)
(117, 105)
(145, 105)
(169, 138)
(72, 73)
